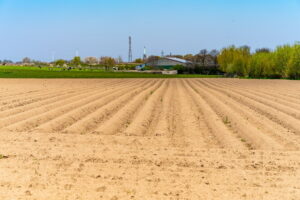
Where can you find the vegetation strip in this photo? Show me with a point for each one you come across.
(35, 72)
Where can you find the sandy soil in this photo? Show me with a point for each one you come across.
(117, 139)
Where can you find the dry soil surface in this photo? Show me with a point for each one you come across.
(116, 139)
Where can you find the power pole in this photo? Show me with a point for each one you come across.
(130, 51)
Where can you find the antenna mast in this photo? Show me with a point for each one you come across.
(130, 51)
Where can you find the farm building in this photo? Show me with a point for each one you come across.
(139, 67)
(168, 62)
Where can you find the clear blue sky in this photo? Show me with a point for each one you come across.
(36, 28)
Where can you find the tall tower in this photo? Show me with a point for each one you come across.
(162, 53)
(145, 54)
(130, 51)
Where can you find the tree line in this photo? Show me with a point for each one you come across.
(283, 62)
(105, 62)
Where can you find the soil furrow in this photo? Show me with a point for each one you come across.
(263, 88)
(283, 105)
(149, 139)
(175, 126)
(66, 120)
(263, 123)
(121, 119)
(62, 102)
(144, 117)
(250, 135)
(49, 101)
(285, 120)
(215, 124)
(20, 100)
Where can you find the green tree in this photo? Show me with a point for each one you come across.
(138, 60)
(261, 65)
(234, 60)
(293, 69)
(282, 56)
(60, 62)
(226, 57)
(179, 68)
(76, 61)
(241, 60)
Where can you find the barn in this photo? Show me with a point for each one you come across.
(168, 62)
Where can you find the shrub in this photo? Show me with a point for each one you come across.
(179, 68)
(293, 70)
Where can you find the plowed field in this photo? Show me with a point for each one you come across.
(116, 139)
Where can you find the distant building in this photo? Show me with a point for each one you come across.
(168, 62)
(169, 72)
(140, 67)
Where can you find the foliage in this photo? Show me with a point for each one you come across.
(283, 62)
(179, 68)
(235, 60)
(107, 62)
(139, 60)
(148, 68)
(208, 70)
(260, 65)
(126, 66)
(76, 61)
(293, 69)
(60, 62)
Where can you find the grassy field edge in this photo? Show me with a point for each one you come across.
(18, 72)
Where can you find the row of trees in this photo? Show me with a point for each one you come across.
(77, 61)
(283, 62)
(25, 61)
(4, 62)
(106, 62)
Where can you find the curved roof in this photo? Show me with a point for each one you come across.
(178, 60)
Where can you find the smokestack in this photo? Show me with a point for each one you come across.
(145, 54)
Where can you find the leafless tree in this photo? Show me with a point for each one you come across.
(108, 62)
(26, 60)
(91, 60)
